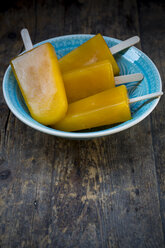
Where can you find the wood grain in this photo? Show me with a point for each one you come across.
(96, 193)
(152, 30)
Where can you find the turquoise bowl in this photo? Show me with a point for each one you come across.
(130, 61)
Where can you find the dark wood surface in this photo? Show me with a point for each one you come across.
(107, 192)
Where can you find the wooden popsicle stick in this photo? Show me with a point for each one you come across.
(125, 44)
(26, 39)
(128, 78)
(145, 97)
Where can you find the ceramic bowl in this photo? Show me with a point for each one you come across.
(130, 61)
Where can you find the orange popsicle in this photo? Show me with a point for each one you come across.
(108, 107)
(90, 52)
(88, 80)
(92, 79)
(40, 81)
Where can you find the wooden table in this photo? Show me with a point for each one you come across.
(107, 192)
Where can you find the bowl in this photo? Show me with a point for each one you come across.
(130, 61)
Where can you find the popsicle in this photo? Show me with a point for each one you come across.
(92, 79)
(40, 81)
(105, 108)
(92, 51)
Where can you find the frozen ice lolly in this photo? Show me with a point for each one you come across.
(108, 107)
(94, 50)
(40, 81)
(92, 79)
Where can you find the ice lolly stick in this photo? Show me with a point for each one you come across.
(145, 97)
(128, 78)
(26, 39)
(124, 44)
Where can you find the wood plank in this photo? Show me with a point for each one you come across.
(154, 46)
(63, 193)
(16, 173)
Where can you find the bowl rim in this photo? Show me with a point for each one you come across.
(79, 135)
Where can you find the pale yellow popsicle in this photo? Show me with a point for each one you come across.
(40, 81)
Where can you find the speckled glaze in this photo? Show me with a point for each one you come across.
(130, 61)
